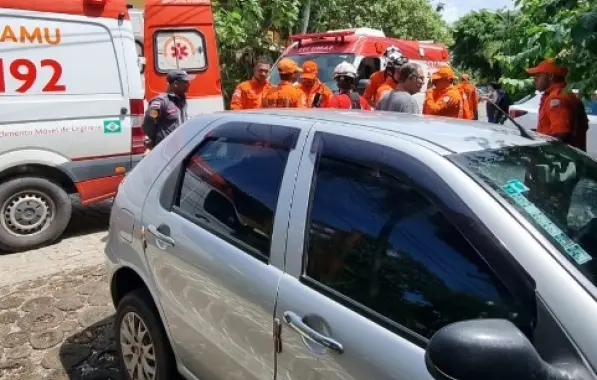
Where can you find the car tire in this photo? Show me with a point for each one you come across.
(135, 308)
(34, 211)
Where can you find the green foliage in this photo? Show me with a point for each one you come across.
(242, 26)
(503, 44)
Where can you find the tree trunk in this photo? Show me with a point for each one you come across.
(305, 17)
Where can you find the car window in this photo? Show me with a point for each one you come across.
(231, 183)
(551, 185)
(374, 238)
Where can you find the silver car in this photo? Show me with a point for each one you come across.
(329, 244)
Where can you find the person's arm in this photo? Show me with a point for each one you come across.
(435, 107)
(382, 105)
(238, 99)
(150, 122)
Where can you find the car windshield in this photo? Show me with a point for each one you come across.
(551, 185)
(326, 63)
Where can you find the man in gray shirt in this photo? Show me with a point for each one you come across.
(401, 99)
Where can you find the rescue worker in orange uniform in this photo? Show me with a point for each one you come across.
(442, 97)
(345, 75)
(247, 94)
(316, 92)
(561, 114)
(285, 94)
(470, 91)
(394, 62)
(378, 78)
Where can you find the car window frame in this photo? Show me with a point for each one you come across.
(512, 275)
(172, 194)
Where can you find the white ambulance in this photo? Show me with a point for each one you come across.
(71, 106)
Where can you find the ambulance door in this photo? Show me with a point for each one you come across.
(180, 34)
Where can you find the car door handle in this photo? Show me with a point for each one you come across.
(297, 324)
(160, 237)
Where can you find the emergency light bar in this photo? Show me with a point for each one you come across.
(337, 36)
(315, 36)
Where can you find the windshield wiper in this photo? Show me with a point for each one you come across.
(523, 132)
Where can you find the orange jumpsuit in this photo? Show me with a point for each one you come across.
(285, 95)
(444, 103)
(317, 88)
(561, 112)
(473, 99)
(389, 85)
(375, 80)
(247, 95)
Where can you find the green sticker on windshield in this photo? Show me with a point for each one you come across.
(514, 188)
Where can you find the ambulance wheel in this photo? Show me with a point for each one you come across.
(33, 212)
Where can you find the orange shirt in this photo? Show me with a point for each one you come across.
(343, 101)
(375, 80)
(317, 88)
(443, 103)
(559, 110)
(285, 95)
(247, 95)
(473, 99)
(389, 85)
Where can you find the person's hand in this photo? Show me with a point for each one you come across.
(429, 84)
(146, 152)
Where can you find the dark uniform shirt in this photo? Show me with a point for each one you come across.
(164, 114)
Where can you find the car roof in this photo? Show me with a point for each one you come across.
(441, 134)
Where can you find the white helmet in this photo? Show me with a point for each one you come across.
(345, 69)
(396, 60)
(392, 49)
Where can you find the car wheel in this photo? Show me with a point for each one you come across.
(143, 347)
(33, 212)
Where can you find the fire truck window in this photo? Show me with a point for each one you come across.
(180, 49)
(368, 66)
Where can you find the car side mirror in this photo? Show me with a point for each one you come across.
(488, 349)
(362, 85)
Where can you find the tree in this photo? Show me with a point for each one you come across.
(503, 44)
(479, 43)
(561, 29)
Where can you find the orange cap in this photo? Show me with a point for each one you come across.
(548, 67)
(444, 72)
(287, 66)
(310, 70)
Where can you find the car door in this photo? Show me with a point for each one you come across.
(374, 264)
(210, 244)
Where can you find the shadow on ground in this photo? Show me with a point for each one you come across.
(90, 354)
(87, 219)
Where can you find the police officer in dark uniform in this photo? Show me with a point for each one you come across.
(167, 111)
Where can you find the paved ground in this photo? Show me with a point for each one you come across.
(55, 310)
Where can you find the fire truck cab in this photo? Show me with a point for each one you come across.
(363, 47)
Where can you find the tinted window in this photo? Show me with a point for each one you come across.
(231, 183)
(375, 239)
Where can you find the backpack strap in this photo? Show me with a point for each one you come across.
(355, 100)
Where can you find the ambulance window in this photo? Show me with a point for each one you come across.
(368, 66)
(180, 49)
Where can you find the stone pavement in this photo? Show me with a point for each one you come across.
(55, 308)
(58, 328)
